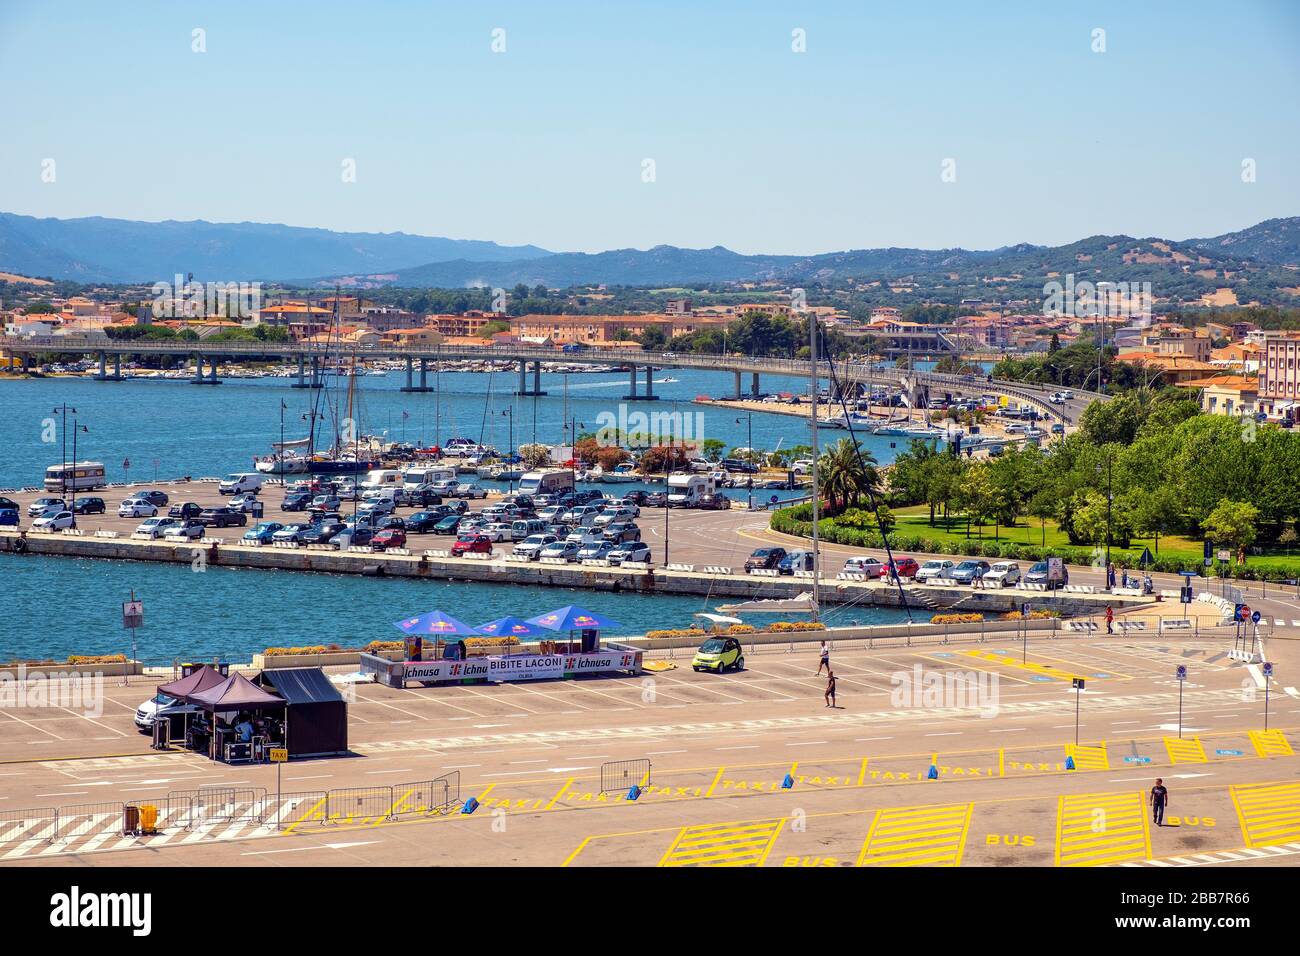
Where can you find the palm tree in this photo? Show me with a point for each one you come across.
(845, 474)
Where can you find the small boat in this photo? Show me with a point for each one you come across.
(624, 472)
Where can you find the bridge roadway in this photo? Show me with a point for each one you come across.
(738, 365)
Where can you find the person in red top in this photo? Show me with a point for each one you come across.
(1110, 618)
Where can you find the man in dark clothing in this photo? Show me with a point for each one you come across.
(1159, 798)
(830, 688)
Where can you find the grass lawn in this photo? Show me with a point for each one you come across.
(916, 521)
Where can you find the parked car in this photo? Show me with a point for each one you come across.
(968, 571)
(622, 532)
(189, 509)
(656, 499)
(46, 505)
(377, 507)
(9, 517)
(470, 491)
(155, 527)
(869, 566)
(531, 547)
(628, 504)
(263, 532)
(764, 558)
(448, 525)
(297, 501)
(497, 531)
(1003, 574)
(718, 654)
(795, 561)
(222, 518)
(185, 529)
(595, 550)
(240, 483)
(9, 504)
(471, 544)
(88, 506)
(1037, 574)
(713, 502)
(612, 514)
(935, 568)
(633, 552)
(242, 503)
(291, 532)
(422, 522)
(136, 508)
(389, 538)
(154, 497)
(322, 532)
(561, 549)
(55, 522)
(900, 567)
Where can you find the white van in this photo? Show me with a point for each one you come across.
(556, 482)
(381, 478)
(242, 482)
(418, 475)
(685, 491)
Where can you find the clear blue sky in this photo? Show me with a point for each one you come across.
(756, 148)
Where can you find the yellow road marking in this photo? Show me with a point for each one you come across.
(1002, 762)
(394, 807)
(715, 782)
(574, 855)
(917, 836)
(1269, 813)
(1271, 743)
(1101, 828)
(1087, 757)
(559, 793)
(723, 844)
(309, 815)
(862, 774)
(1185, 751)
(1043, 670)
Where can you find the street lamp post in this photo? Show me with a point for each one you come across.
(72, 507)
(63, 439)
(510, 413)
(1109, 499)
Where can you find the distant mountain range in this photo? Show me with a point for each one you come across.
(1260, 262)
(126, 251)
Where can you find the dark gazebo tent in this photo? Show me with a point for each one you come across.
(198, 680)
(316, 716)
(237, 694)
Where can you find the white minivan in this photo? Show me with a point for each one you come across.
(244, 482)
(381, 478)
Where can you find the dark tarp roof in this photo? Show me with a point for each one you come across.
(300, 685)
(199, 679)
(235, 693)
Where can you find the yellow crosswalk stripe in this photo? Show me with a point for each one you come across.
(1271, 743)
(1269, 813)
(917, 836)
(1101, 828)
(1088, 758)
(725, 844)
(1185, 750)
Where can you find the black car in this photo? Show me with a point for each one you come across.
(190, 509)
(713, 502)
(423, 499)
(448, 524)
(636, 497)
(296, 501)
(390, 521)
(7, 503)
(423, 522)
(88, 506)
(222, 518)
(322, 533)
(361, 536)
(154, 497)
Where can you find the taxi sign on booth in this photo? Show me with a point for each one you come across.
(279, 754)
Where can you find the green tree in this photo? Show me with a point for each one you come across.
(1232, 523)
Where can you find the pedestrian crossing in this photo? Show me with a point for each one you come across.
(917, 836)
(1219, 857)
(1271, 743)
(1087, 757)
(1184, 750)
(723, 844)
(1101, 828)
(1269, 812)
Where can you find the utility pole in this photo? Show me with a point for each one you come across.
(63, 439)
(817, 564)
(750, 445)
(72, 505)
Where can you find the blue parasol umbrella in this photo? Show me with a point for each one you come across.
(436, 623)
(573, 618)
(509, 627)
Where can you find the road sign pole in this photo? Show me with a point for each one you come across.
(1077, 692)
(1266, 705)
(1180, 710)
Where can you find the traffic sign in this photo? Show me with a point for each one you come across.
(1255, 617)
(132, 613)
(1225, 554)
(1268, 669)
(1146, 558)
(1182, 672)
(1185, 594)
(279, 754)
(1078, 683)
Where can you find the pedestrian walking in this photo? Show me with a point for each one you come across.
(1110, 619)
(830, 688)
(1110, 576)
(825, 659)
(1159, 799)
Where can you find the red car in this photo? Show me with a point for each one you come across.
(906, 567)
(389, 538)
(471, 544)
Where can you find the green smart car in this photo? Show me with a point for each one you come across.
(717, 654)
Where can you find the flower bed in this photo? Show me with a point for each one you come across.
(957, 618)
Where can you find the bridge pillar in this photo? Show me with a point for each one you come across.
(410, 385)
(302, 381)
(409, 367)
(649, 383)
(524, 388)
(424, 375)
(198, 370)
(632, 395)
(537, 378)
(210, 378)
(753, 385)
(737, 391)
(103, 366)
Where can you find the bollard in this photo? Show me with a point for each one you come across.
(788, 782)
(470, 805)
(633, 793)
(933, 773)
(1069, 763)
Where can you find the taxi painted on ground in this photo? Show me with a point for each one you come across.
(718, 654)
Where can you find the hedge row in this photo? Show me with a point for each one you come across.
(797, 521)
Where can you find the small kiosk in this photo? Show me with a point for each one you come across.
(172, 721)
(316, 715)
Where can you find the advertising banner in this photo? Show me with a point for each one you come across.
(602, 662)
(434, 671)
(525, 667)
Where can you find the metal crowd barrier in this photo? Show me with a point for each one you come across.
(624, 774)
